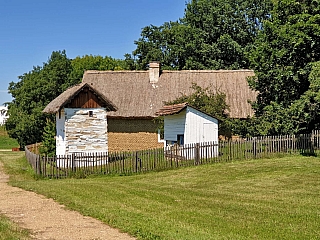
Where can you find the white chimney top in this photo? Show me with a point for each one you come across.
(154, 71)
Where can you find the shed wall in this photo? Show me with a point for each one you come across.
(60, 133)
(174, 125)
(200, 127)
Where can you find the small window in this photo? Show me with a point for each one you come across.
(90, 113)
(160, 134)
(180, 138)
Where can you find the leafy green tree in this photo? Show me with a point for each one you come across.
(213, 34)
(284, 59)
(31, 94)
(225, 30)
(164, 44)
(90, 62)
(305, 111)
(48, 146)
(284, 52)
(275, 120)
(302, 116)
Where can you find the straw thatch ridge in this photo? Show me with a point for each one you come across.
(136, 97)
(64, 98)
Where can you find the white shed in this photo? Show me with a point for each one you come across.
(185, 125)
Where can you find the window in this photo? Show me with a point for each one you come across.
(90, 113)
(160, 135)
(180, 138)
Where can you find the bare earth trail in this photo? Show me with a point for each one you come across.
(47, 219)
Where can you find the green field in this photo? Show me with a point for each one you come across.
(252, 199)
(5, 141)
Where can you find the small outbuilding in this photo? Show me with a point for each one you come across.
(81, 120)
(184, 124)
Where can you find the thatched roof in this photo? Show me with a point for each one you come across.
(66, 97)
(135, 96)
(171, 109)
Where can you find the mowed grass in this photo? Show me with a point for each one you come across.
(10, 230)
(254, 199)
(5, 141)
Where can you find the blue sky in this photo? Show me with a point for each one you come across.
(30, 30)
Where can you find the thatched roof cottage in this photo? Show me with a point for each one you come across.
(137, 95)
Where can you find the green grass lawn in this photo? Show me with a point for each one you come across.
(5, 141)
(253, 199)
(10, 231)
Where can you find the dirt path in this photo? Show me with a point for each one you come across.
(47, 219)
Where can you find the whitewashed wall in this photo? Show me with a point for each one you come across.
(77, 132)
(60, 133)
(200, 127)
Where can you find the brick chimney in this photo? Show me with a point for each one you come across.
(154, 71)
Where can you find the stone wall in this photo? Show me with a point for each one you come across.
(86, 130)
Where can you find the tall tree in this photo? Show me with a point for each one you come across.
(284, 57)
(284, 52)
(301, 116)
(305, 112)
(31, 94)
(213, 34)
(90, 62)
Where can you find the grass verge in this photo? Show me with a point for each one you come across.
(254, 199)
(5, 141)
(11, 231)
(8, 229)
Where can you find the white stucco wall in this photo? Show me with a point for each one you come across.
(77, 132)
(60, 133)
(200, 127)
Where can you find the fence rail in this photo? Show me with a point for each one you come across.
(80, 165)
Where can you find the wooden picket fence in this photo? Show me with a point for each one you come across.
(81, 165)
